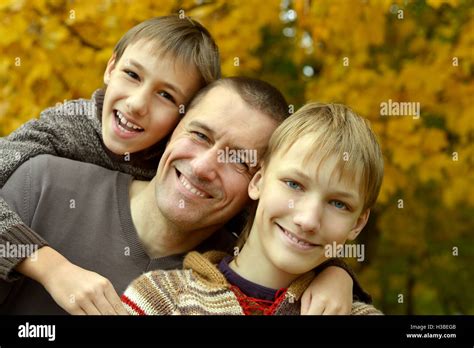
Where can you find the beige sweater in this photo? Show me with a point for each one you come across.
(201, 289)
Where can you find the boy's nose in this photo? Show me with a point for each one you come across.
(204, 165)
(308, 217)
(137, 103)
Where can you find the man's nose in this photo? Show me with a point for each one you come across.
(137, 103)
(204, 165)
(308, 215)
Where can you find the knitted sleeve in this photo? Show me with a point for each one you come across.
(361, 308)
(153, 293)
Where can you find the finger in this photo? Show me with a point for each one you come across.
(103, 305)
(114, 300)
(77, 311)
(316, 306)
(331, 310)
(89, 308)
(305, 302)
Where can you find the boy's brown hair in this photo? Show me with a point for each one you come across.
(183, 37)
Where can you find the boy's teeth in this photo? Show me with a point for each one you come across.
(296, 240)
(127, 123)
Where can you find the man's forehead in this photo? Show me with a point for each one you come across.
(226, 116)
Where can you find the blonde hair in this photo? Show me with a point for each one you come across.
(184, 38)
(337, 131)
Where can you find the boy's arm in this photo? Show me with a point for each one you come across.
(332, 290)
(33, 138)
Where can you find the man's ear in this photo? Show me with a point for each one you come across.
(108, 70)
(359, 225)
(255, 185)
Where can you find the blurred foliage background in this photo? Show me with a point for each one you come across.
(419, 244)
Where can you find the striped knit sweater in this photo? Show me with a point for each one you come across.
(201, 289)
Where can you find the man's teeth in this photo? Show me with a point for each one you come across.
(191, 188)
(127, 123)
(296, 240)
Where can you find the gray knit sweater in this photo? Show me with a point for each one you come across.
(71, 130)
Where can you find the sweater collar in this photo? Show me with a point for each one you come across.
(206, 269)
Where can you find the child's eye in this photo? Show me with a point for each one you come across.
(293, 185)
(167, 96)
(132, 74)
(339, 205)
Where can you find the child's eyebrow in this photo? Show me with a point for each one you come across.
(166, 84)
(345, 194)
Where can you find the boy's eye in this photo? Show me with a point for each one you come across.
(166, 95)
(132, 74)
(339, 205)
(293, 185)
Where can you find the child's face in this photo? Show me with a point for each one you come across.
(143, 96)
(302, 209)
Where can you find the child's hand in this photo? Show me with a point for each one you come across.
(79, 291)
(328, 294)
(76, 290)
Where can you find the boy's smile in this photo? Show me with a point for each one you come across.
(145, 90)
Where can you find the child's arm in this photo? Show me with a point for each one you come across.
(331, 291)
(76, 290)
(71, 130)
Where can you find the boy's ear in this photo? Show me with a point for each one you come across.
(360, 224)
(108, 70)
(255, 185)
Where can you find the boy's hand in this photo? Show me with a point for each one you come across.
(76, 290)
(328, 294)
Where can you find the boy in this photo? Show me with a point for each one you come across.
(155, 70)
(319, 179)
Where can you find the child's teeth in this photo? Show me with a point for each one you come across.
(124, 121)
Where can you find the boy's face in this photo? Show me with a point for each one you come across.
(302, 209)
(195, 187)
(141, 104)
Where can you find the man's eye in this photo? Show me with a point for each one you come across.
(200, 135)
(167, 96)
(339, 205)
(293, 185)
(242, 164)
(132, 74)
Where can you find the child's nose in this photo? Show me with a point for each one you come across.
(138, 102)
(308, 216)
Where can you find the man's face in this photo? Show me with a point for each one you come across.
(141, 103)
(302, 208)
(194, 187)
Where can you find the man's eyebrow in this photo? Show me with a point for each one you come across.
(166, 84)
(199, 124)
(203, 126)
